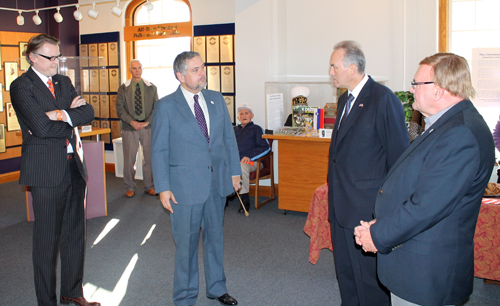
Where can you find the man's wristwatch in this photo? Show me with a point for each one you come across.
(59, 115)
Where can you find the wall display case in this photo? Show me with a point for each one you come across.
(217, 51)
(100, 79)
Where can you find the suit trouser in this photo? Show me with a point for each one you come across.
(59, 223)
(186, 222)
(131, 141)
(356, 270)
(246, 169)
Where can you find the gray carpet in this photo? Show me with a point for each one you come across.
(266, 256)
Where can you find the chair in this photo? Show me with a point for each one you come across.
(267, 172)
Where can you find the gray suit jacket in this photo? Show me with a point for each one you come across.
(182, 160)
(125, 105)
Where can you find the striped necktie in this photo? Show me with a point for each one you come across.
(51, 87)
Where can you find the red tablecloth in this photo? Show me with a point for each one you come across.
(486, 239)
(317, 225)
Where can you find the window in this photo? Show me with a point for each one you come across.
(157, 55)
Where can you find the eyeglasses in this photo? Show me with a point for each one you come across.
(415, 84)
(51, 58)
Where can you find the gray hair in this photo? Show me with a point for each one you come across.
(353, 54)
(133, 61)
(180, 61)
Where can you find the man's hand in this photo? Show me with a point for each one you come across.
(364, 237)
(138, 125)
(245, 159)
(78, 101)
(236, 182)
(165, 198)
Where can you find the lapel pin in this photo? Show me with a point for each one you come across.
(212, 102)
(361, 105)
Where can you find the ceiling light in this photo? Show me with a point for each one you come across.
(116, 10)
(93, 13)
(20, 19)
(36, 19)
(57, 16)
(77, 14)
(149, 6)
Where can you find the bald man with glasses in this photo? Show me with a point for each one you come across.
(49, 111)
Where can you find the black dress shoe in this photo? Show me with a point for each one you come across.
(225, 299)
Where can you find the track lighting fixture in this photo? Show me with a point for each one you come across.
(116, 10)
(20, 19)
(36, 19)
(93, 13)
(57, 16)
(77, 14)
(149, 6)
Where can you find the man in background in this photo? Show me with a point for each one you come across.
(427, 209)
(196, 166)
(368, 137)
(134, 105)
(251, 147)
(49, 111)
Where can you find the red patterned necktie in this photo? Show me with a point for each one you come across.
(51, 87)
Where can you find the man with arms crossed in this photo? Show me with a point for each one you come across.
(369, 135)
(134, 105)
(426, 211)
(196, 166)
(49, 110)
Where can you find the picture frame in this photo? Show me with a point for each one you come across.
(3, 148)
(12, 123)
(23, 63)
(1, 97)
(11, 73)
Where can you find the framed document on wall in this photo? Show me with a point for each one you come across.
(113, 53)
(11, 74)
(23, 63)
(212, 49)
(213, 78)
(230, 106)
(2, 138)
(227, 79)
(1, 97)
(93, 52)
(12, 123)
(199, 46)
(103, 54)
(84, 52)
(226, 49)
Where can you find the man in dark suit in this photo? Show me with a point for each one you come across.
(49, 110)
(426, 210)
(368, 137)
(195, 166)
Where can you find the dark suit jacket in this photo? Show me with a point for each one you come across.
(44, 150)
(362, 152)
(427, 212)
(125, 105)
(182, 160)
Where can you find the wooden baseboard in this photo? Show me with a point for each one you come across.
(9, 177)
(264, 191)
(109, 167)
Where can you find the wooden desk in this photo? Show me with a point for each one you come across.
(302, 167)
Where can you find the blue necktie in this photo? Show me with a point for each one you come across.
(200, 117)
(347, 108)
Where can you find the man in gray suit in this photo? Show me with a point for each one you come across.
(196, 165)
(134, 105)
